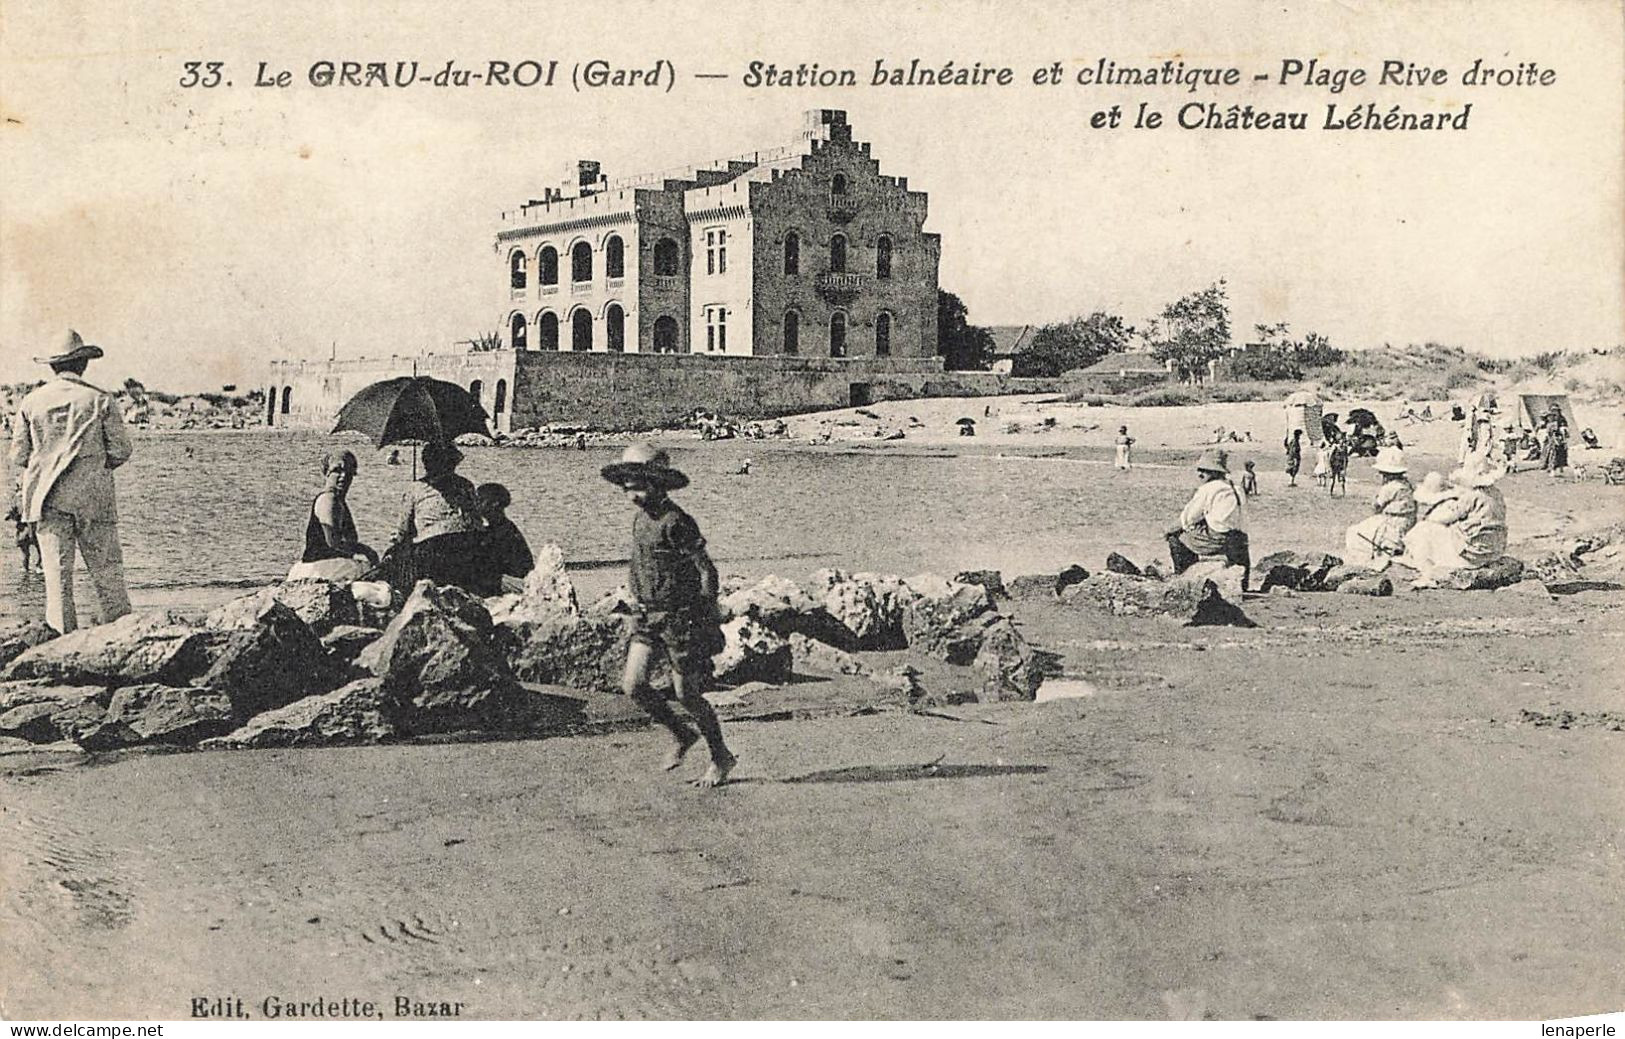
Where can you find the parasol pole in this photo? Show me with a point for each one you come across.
(414, 443)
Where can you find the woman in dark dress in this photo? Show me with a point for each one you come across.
(333, 551)
(1294, 456)
(440, 531)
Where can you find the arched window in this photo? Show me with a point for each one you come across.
(547, 330)
(837, 335)
(516, 270)
(668, 258)
(475, 387)
(792, 332)
(547, 266)
(614, 257)
(666, 335)
(500, 404)
(615, 328)
(883, 257)
(287, 398)
(838, 185)
(516, 330)
(837, 254)
(792, 253)
(581, 330)
(270, 411)
(581, 263)
(883, 334)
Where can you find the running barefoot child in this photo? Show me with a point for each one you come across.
(674, 584)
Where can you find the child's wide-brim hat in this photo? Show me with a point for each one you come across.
(1389, 461)
(645, 463)
(1214, 461)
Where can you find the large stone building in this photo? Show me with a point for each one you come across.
(806, 249)
(783, 280)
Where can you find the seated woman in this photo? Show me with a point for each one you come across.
(1467, 531)
(1375, 540)
(1212, 524)
(333, 552)
(440, 532)
(506, 557)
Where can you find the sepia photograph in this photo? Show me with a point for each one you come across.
(1026, 511)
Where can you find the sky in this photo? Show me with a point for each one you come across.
(198, 233)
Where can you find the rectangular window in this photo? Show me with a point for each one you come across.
(722, 330)
(716, 329)
(716, 251)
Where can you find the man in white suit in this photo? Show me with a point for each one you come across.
(65, 443)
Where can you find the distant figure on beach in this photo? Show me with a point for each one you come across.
(1378, 538)
(1323, 462)
(1510, 439)
(333, 549)
(581, 441)
(743, 470)
(674, 584)
(1294, 456)
(1589, 437)
(1249, 480)
(439, 534)
(1554, 454)
(1125, 445)
(1213, 524)
(1337, 474)
(394, 456)
(67, 439)
(27, 541)
(506, 557)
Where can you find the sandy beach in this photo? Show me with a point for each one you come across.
(1362, 808)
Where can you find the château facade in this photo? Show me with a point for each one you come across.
(802, 250)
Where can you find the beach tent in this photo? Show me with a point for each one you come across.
(1303, 410)
(1533, 406)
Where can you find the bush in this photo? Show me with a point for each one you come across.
(1230, 394)
(1164, 398)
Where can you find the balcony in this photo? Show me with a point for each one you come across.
(840, 287)
(581, 288)
(666, 282)
(842, 207)
(614, 284)
(516, 292)
(550, 290)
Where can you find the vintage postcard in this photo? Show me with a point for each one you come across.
(963, 510)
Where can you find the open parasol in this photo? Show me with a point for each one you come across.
(412, 409)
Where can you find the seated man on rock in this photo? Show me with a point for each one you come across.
(1213, 524)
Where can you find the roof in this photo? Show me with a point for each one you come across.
(1010, 340)
(1131, 361)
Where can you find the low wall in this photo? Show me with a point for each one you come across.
(640, 391)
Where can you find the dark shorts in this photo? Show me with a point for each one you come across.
(690, 638)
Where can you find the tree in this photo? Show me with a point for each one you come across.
(1193, 331)
(961, 345)
(1077, 343)
(483, 343)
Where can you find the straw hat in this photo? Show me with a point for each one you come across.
(1389, 460)
(1214, 460)
(1477, 473)
(73, 349)
(647, 463)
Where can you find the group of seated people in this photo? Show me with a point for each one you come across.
(1441, 526)
(450, 531)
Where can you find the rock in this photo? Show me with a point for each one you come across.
(751, 652)
(1154, 571)
(1497, 574)
(1532, 588)
(785, 608)
(548, 592)
(1228, 578)
(163, 714)
(1119, 564)
(150, 646)
(1195, 602)
(992, 580)
(344, 644)
(1072, 575)
(946, 626)
(868, 606)
(812, 657)
(17, 636)
(473, 440)
(1009, 667)
(588, 653)
(355, 713)
(440, 662)
(1374, 586)
(322, 605)
(43, 712)
(1034, 587)
(1335, 577)
(616, 602)
(1310, 570)
(1553, 568)
(274, 662)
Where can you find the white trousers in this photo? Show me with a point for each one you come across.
(61, 534)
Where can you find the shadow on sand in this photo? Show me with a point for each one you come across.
(902, 773)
